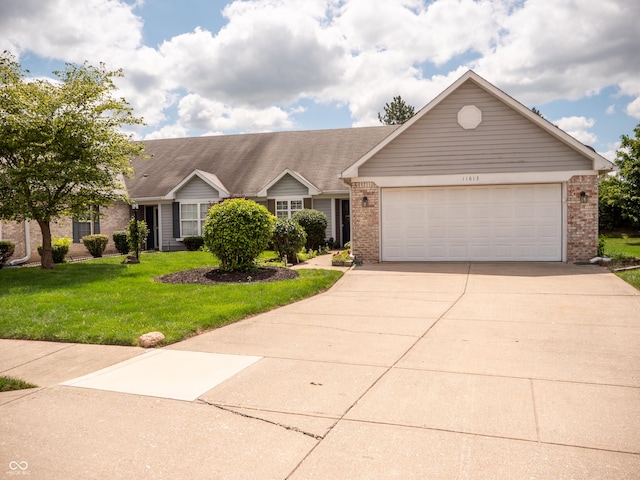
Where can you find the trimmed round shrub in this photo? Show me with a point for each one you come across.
(193, 244)
(7, 249)
(237, 231)
(314, 223)
(120, 241)
(59, 248)
(288, 238)
(95, 244)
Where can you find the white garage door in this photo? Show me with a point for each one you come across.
(483, 223)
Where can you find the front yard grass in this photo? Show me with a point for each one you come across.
(102, 301)
(624, 245)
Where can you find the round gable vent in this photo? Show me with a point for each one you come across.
(469, 117)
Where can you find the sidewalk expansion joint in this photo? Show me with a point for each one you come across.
(281, 425)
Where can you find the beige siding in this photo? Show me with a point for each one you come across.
(287, 186)
(168, 240)
(505, 141)
(324, 205)
(197, 189)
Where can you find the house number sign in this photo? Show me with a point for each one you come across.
(471, 178)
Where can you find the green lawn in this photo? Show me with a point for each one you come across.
(623, 245)
(103, 301)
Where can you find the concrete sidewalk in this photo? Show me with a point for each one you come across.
(399, 371)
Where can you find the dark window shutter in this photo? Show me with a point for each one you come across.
(271, 206)
(307, 203)
(76, 231)
(176, 219)
(96, 219)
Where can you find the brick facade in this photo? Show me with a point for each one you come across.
(365, 235)
(582, 218)
(115, 218)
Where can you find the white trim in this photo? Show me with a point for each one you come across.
(471, 179)
(313, 190)
(160, 232)
(599, 162)
(565, 222)
(209, 178)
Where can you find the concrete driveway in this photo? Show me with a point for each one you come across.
(399, 371)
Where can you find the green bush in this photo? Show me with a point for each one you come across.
(6, 250)
(288, 238)
(193, 243)
(314, 223)
(59, 248)
(237, 231)
(95, 244)
(137, 235)
(120, 241)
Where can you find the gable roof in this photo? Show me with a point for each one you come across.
(246, 164)
(599, 162)
(313, 190)
(209, 178)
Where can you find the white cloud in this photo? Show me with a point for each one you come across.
(562, 50)
(633, 109)
(199, 113)
(270, 54)
(611, 153)
(578, 127)
(611, 109)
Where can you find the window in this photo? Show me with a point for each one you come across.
(192, 217)
(286, 208)
(82, 225)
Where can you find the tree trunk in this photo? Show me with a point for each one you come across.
(46, 260)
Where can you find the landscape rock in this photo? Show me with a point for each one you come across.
(150, 339)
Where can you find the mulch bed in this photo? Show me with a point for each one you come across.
(208, 276)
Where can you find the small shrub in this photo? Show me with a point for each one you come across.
(95, 244)
(193, 244)
(314, 223)
(601, 244)
(7, 249)
(59, 248)
(237, 231)
(288, 238)
(120, 241)
(348, 245)
(137, 235)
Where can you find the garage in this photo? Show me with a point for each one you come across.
(472, 223)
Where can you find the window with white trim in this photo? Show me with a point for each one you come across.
(286, 208)
(192, 218)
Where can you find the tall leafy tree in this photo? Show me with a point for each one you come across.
(628, 163)
(62, 149)
(397, 112)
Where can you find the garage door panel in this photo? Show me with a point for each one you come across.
(516, 222)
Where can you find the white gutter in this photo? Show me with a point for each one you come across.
(27, 241)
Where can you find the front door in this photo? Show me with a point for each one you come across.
(345, 218)
(149, 216)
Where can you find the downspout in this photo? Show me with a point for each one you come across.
(27, 241)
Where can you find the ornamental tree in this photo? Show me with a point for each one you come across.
(62, 150)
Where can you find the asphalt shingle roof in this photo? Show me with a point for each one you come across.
(246, 163)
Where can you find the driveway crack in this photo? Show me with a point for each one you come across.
(271, 422)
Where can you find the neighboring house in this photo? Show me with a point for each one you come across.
(473, 176)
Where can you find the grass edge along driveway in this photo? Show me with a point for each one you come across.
(104, 302)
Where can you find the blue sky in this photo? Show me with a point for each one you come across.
(203, 67)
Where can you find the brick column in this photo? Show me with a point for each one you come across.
(582, 218)
(365, 232)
